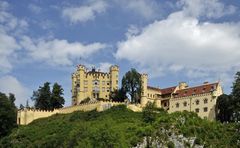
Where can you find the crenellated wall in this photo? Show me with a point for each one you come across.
(26, 116)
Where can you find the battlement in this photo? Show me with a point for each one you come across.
(114, 68)
(26, 116)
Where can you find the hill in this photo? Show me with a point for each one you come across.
(120, 127)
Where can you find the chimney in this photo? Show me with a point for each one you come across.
(183, 85)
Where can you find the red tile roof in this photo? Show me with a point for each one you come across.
(163, 91)
(205, 88)
(168, 90)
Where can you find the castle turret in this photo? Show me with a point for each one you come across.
(78, 85)
(114, 74)
(144, 79)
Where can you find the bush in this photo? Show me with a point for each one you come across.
(170, 144)
(149, 113)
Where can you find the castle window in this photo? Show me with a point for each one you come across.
(103, 89)
(177, 105)
(185, 103)
(108, 83)
(85, 82)
(197, 110)
(117, 81)
(197, 102)
(85, 89)
(205, 109)
(205, 101)
(103, 82)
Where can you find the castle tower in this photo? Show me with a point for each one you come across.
(114, 74)
(93, 85)
(144, 78)
(78, 84)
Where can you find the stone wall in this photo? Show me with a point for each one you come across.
(26, 116)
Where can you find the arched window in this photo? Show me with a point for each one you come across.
(177, 105)
(197, 102)
(185, 103)
(205, 101)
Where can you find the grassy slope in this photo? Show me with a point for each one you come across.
(116, 127)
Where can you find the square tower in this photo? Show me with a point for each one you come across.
(93, 84)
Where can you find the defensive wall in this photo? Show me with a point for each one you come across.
(26, 116)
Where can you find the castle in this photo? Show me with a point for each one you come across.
(93, 84)
(96, 87)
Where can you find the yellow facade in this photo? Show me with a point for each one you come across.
(93, 84)
(200, 99)
(97, 86)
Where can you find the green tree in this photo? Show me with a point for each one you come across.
(149, 112)
(131, 84)
(12, 98)
(42, 97)
(118, 95)
(57, 100)
(224, 108)
(8, 114)
(21, 106)
(236, 97)
(27, 104)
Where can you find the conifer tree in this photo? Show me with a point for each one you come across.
(42, 97)
(8, 114)
(236, 97)
(57, 100)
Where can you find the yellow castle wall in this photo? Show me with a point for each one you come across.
(26, 116)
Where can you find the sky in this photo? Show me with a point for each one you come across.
(172, 41)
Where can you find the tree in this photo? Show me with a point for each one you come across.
(118, 95)
(42, 97)
(236, 97)
(8, 114)
(57, 100)
(149, 112)
(21, 106)
(27, 104)
(131, 84)
(224, 108)
(12, 98)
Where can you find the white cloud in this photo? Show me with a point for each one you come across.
(104, 67)
(9, 84)
(8, 46)
(59, 52)
(181, 44)
(206, 8)
(34, 8)
(8, 43)
(148, 9)
(84, 13)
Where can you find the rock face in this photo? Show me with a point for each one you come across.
(179, 141)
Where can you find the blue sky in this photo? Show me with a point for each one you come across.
(172, 41)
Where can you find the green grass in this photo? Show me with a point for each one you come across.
(117, 127)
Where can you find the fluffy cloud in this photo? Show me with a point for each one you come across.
(206, 8)
(8, 45)
(9, 84)
(59, 52)
(181, 43)
(10, 26)
(105, 66)
(146, 8)
(84, 13)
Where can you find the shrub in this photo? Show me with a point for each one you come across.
(170, 144)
